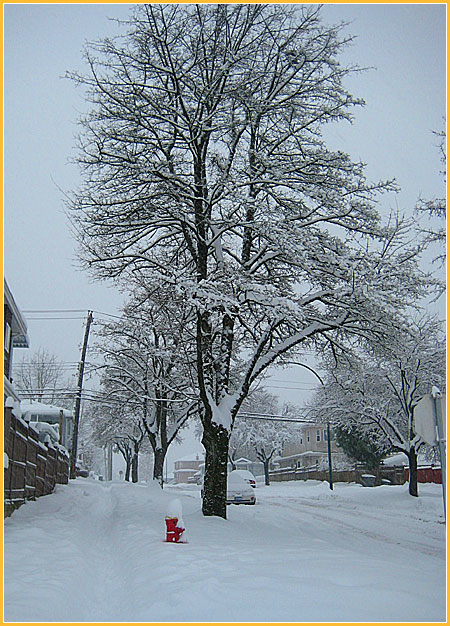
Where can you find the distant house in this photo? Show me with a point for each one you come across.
(242, 463)
(15, 335)
(188, 466)
(50, 421)
(310, 449)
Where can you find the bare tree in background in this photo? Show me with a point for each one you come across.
(41, 378)
(148, 371)
(374, 393)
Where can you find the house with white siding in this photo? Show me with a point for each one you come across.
(309, 449)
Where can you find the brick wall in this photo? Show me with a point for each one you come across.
(33, 468)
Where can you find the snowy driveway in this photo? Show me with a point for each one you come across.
(94, 552)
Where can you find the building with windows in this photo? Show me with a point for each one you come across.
(54, 424)
(309, 449)
(15, 335)
(187, 467)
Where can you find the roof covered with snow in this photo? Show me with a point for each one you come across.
(39, 408)
(195, 456)
(18, 323)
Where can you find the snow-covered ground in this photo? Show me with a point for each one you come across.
(94, 551)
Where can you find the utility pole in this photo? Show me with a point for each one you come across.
(74, 449)
(437, 406)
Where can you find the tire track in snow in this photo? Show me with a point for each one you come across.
(356, 529)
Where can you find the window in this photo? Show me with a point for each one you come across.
(307, 437)
(7, 337)
(325, 436)
(301, 440)
(318, 435)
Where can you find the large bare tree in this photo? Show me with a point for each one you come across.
(204, 169)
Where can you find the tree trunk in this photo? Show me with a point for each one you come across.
(215, 441)
(266, 472)
(127, 470)
(134, 467)
(158, 465)
(413, 486)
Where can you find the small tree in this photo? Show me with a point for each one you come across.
(126, 450)
(268, 440)
(363, 446)
(259, 401)
(265, 438)
(116, 425)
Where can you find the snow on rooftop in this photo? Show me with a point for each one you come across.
(39, 408)
(196, 456)
(401, 459)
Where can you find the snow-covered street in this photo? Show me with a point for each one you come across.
(94, 551)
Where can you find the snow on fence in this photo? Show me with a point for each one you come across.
(32, 469)
(396, 475)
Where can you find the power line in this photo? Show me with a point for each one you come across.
(116, 316)
(275, 418)
(292, 388)
(53, 310)
(38, 363)
(49, 319)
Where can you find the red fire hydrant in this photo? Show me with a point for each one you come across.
(174, 532)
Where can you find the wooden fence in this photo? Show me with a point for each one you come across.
(395, 475)
(33, 469)
(427, 474)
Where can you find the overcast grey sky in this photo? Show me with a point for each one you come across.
(405, 98)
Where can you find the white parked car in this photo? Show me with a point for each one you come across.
(247, 476)
(239, 490)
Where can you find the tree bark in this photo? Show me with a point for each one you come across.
(266, 472)
(134, 466)
(127, 471)
(158, 465)
(215, 441)
(233, 464)
(413, 485)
